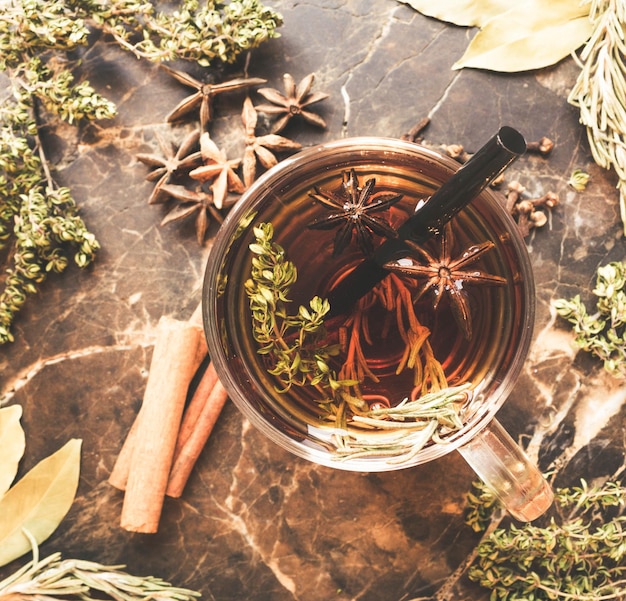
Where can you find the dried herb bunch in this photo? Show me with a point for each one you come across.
(205, 33)
(602, 333)
(40, 227)
(578, 554)
(599, 89)
(57, 578)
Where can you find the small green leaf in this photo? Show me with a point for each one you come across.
(12, 444)
(466, 13)
(39, 501)
(531, 35)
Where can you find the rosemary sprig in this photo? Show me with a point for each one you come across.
(55, 578)
(578, 555)
(602, 333)
(400, 432)
(600, 90)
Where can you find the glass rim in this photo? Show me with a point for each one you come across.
(222, 241)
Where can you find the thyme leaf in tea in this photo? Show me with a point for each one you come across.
(292, 343)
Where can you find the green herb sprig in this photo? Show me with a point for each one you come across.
(298, 354)
(293, 343)
(56, 578)
(40, 226)
(599, 89)
(602, 333)
(213, 31)
(578, 555)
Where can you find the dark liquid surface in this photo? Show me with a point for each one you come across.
(497, 311)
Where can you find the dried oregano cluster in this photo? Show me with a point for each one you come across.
(577, 554)
(40, 228)
(603, 331)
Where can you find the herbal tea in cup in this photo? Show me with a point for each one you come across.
(419, 363)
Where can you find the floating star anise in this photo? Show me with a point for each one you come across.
(172, 163)
(293, 102)
(260, 148)
(447, 276)
(204, 94)
(218, 169)
(353, 209)
(190, 202)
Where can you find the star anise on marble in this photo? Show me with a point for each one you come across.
(260, 148)
(173, 162)
(447, 276)
(353, 209)
(218, 169)
(204, 94)
(192, 202)
(293, 102)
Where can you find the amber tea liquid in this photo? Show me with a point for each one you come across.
(497, 311)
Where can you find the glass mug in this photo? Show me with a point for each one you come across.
(480, 340)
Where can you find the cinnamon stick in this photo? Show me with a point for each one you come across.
(173, 365)
(121, 468)
(198, 423)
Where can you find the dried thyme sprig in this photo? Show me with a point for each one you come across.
(199, 32)
(39, 222)
(298, 354)
(578, 555)
(600, 89)
(54, 578)
(293, 344)
(602, 333)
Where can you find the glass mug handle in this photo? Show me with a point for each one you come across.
(506, 469)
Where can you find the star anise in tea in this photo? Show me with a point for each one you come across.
(170, 164)
(295, 101)
(192, 202)
(217, 169)
(260, 148)
(353, 210)
(204, 94)
(447, 276)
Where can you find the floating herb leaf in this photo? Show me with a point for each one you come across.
(293, 344)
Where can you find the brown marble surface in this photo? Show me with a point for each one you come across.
(254, 522)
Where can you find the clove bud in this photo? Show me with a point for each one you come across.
(543, 146)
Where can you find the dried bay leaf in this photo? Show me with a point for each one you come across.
(39, 501)
(531, 35)
(466, 13)
(12, 444)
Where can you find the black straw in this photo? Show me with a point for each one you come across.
(454, 194)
